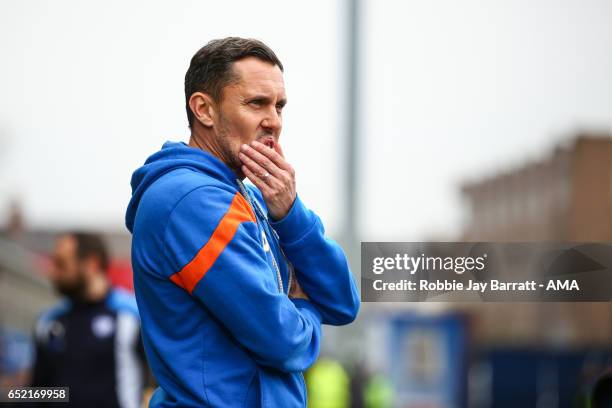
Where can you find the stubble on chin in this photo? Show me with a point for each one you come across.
(229, 156)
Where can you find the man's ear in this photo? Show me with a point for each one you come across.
(203, 108)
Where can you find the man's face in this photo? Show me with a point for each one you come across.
(250, 108)
(67, 275)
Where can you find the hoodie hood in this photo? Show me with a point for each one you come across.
(173, 155)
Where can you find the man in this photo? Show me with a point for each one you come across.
(90, 342)
(217, 262)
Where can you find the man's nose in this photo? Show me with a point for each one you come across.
(272, 122)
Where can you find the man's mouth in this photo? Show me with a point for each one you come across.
(268, 141)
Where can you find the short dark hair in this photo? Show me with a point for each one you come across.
(210, 69)
(91, 244)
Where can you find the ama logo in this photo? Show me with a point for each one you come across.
(562, 284)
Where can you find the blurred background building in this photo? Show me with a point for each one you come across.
(565, 196)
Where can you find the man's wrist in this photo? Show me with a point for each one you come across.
(274, 218)
(295, 224)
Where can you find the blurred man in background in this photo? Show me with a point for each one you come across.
(91, 341)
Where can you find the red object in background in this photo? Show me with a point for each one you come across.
(120, 274)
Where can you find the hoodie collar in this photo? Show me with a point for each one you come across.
(174, 155)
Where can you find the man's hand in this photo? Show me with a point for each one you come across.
(295, 291)
(271, 174)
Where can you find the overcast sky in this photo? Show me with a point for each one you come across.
(451, 91)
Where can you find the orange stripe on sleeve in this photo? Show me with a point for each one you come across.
(239, 211)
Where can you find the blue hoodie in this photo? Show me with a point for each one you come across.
(211, 276)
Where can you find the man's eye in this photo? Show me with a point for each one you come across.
(256, 102)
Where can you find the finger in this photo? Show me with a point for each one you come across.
(255, 179)
(262, 161)
(287, 167)
(266, 178)
(279, 149)
(272, 155)
(255, 167)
